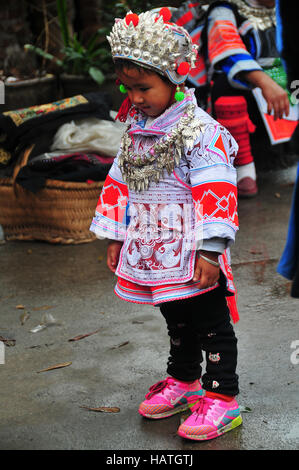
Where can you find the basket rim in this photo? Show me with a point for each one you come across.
(52, 183)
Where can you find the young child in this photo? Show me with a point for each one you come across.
(168, 207)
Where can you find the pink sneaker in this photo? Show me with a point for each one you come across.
(168, 397)
(210, 418)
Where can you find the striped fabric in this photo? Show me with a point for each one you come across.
(232, 44)
(226, 48)
(191, 16)
(155, 295)
(224, 40)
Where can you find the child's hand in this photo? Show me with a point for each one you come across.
(205, 272)
(113, 252)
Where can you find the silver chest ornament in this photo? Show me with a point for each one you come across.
(139, 169)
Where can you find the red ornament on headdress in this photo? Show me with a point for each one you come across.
(183, 68)
(166, 13)
(132, 17)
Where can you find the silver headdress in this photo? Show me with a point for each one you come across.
(152, 42)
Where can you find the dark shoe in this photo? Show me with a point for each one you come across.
(247, 187)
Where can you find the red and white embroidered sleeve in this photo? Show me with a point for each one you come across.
(111, 215)
(214, 191)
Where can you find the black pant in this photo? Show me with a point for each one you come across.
(197, 324)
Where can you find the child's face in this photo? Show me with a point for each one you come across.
(147, 91)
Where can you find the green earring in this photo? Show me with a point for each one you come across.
(122, 88)
(179, 95)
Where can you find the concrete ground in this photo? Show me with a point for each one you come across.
(115, 366)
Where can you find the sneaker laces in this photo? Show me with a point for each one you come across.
(159, 387)
(202, 407)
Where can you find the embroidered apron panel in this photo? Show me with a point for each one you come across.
(159, 247)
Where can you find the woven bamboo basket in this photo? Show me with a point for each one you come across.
(61, 212)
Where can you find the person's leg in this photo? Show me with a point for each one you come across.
(189, 323)
(202, 323)
(182, 388)
(185, 355)
(218, 411)
(230, 108)
(220, 345)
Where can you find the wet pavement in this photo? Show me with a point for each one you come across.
(127, 353)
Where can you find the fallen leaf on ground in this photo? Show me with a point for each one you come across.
(103, 409)
(56, 366)
(256, 251)
(20, 307)
(120, 345)
(245, 409)
(43, 307)
(7, 341)
(77, 338)
(24, 317)
(40, 345)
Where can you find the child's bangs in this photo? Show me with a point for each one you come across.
(121, 64)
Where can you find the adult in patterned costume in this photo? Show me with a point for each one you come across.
(238, 42)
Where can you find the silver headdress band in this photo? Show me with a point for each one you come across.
(147, 39)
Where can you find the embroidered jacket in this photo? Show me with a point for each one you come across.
(163, 226)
